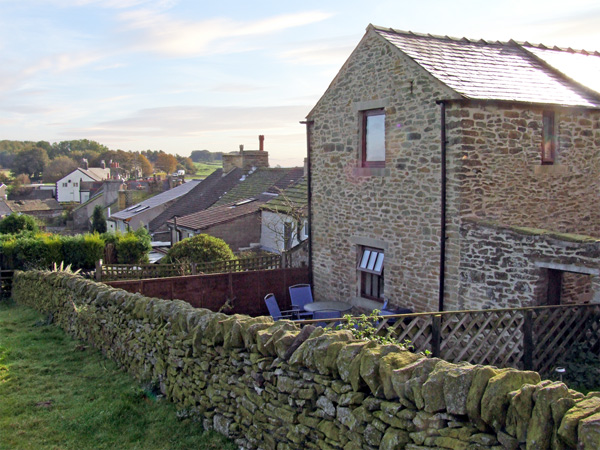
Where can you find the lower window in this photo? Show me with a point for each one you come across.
(370, 268)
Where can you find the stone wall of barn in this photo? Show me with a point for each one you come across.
(508, 267)
(494, 173)
(495, 167)
(278, 387)
(396, 209)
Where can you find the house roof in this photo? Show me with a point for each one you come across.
(97, 173)
(294, 198)
(506, 71)
(152, 202)
(25, 206)
(262, 180)
(220, 214)
(200, 197)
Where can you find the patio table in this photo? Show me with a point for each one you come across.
(327, 306)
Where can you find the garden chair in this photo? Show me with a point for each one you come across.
(327, 314)
(300, 294)
(275, 312)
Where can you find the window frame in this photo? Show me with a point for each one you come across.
(371, 267)
(549, 144)
(365, 114)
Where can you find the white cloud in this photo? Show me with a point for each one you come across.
(161, 33)
(324, 53)
(200, 120)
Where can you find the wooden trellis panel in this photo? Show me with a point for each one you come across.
(483, 337)
(527, 338)
(557, 330)
(413, 330)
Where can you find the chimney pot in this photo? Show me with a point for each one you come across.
(261, 142)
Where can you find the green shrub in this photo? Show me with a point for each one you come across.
(198, 249)
(29, 250)
(15, 223)
(133, 248)
(98, 220)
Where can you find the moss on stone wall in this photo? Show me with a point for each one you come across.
(276, 386)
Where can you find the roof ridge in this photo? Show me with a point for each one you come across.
(486, 41)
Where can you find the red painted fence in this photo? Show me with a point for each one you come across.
(243, 291)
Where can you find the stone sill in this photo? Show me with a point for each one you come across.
(550, 169)
(370, 172)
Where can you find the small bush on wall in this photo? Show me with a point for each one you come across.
(198, 249)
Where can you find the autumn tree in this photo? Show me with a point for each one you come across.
(166, 162)
(58, 168)
(186, 164)
(146, 166)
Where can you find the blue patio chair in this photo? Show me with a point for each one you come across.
(276, 313)
(327, 314)
(274, 310)
(300, 294)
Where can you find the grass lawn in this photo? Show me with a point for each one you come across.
(57, 393)
(205, 169)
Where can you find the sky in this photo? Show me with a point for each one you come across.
(184, 75)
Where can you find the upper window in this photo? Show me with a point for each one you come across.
(548, 137)
(373, 138)
(370, 269)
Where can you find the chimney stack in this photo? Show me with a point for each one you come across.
(261, 142)
(241, 148)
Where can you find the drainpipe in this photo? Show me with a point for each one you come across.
(309, 124)
(442, 207)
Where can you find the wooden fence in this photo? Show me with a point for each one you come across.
(112, 272)
(534, 338)
(232, 292)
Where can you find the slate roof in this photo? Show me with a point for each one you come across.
(96, 173)
(200, 198)
(293, 198)
(220, 214)
(507, 71)
(262, 180)
(25, 206)
(159, 199)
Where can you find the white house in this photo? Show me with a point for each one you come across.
(284, 219)
(68, 187)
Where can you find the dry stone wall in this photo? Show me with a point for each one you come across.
(275, 386)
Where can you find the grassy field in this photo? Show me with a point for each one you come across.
(205, 169)
(57, 393)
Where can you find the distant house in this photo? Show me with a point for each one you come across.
(456, 174)
(236, 223)
(68, 188)
(235, 217)
(201, 197)
(245, 174)
(142, 213)
(42, 209)
(104, 195)
(284, 219)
